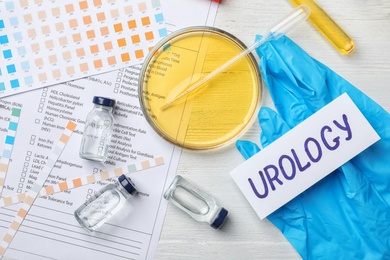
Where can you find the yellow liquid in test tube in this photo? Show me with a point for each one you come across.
(327, 27)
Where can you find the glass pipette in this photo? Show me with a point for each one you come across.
(301, 13)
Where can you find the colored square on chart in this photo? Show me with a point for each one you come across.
(25, 65)
(1, 24)
(77, 182)
(21, 50)
(73, 23)
(97, 2)
(8, 238)
(42, 15)
(63, 40)
(128, 9)
(7, 54)
(45, 29)
(83, 5)
(121, 42)
(69, 8)
(53, 58)
(114, 13)
(76, 37)
(94, 49)
(104, 31)
(49, 44)
(27, 18)
(35, 47)
(135, 39)
(14, 83)
(38, 62)
(3, 39)
(16, 112)
(66, 55)
(2, 86)
(1, 72)
(55, 11)
(163, 32)
(131, 168)
(59, 26)
(22, 213)
(111, 60)
(108, 46)
(101, 16)
(149, 36)
(91, 34)
(28, 80)
(156, 3)
(139, 54)
(56, 73)
(132, 24)
(142, 7)
(23, 3)
(125, 57)
(145, 21)
(14, 21)
(87, 19)
(49, 190)
(38, 1)
(7, 154)
(80, 52)
(64, 138)
(84, 67)
(98, 64)
(18, 36)
(9, 5)
(31, 33)
(42, 77)
(11, 68)
(118, 27)
(159, 17)
(70, 70)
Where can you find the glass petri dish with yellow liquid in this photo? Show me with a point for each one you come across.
(217, 112)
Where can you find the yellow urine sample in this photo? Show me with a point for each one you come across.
(216, 113)
(327, 27)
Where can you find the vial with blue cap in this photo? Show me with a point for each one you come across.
(195, 202)
(105, 203)
(97, 130)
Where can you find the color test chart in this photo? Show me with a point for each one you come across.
(46, 42)
(85, 180)
(33, 193)
(8, 145)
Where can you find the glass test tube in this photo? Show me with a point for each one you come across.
(327, 27)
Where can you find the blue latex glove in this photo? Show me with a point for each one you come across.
(346, 215)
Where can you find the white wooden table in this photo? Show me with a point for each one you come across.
(244, 235)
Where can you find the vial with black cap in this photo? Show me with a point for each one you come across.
(195, 202)
(97, 130)
(105, 203)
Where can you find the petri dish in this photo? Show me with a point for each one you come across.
(216, 113)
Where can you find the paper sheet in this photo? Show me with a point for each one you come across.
(50, 231)
(48, 42)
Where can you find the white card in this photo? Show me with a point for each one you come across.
(304, 155)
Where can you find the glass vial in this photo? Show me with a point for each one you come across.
(105, 203)
(195, 202)
(97, 130)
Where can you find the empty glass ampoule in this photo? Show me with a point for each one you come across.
(105, 203)
(195, 202)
